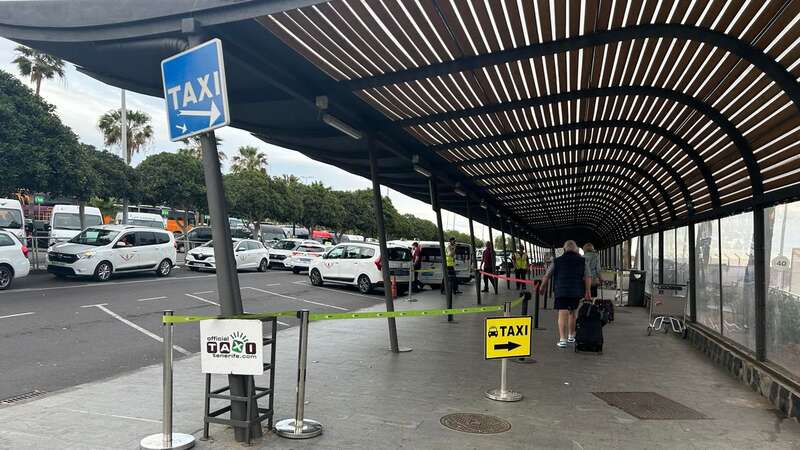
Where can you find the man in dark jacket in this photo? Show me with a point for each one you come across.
(570, 284)
(487, 266)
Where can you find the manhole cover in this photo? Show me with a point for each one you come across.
(649, 406)
(475, 423)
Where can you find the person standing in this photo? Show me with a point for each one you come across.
(416, 261)
(570, 283)
(592, 259)
(488, 266)
(520, 267)
(450, 261)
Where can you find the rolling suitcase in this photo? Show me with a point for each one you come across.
(589, 329)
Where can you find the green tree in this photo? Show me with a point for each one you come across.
(251, 195)
(174, 180)
(320, 207)
(289, 204)
(195, 150)
(250, 158)
(139, 130)
(37, 152)
(37, 66)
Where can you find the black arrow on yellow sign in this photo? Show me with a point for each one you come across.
(507, 346)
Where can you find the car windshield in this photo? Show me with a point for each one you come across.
(399, 254)
(95, 237)
(72, 221)
(285, 245)
(10, 218)
(211, 244)
(146, 223)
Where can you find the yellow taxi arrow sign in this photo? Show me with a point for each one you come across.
(508, 337)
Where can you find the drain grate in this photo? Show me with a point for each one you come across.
(22, 397)
(649, 406)
(475, 423)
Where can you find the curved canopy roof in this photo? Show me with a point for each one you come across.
(593, 119)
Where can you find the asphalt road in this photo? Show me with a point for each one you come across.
(57, 333)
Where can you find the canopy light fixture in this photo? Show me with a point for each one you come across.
(483, 204)
(422, 171)
(458, 190)
(341, 126)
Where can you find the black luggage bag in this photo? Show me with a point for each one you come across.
(589, 329)
(607, 307)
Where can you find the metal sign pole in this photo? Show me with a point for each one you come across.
(504, 394)
(526, 298)
(299, 427)
(167, 440)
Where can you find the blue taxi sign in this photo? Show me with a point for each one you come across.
(195, 91)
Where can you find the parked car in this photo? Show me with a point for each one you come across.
(283, 249)
(301, 258)
(13, 259)
(143, 219)
(105, 250)
(195, 238)
(65, 222)
(359, 264)
(270, 234)
(12, 218)
(239, 230)
(249, 254)
(296, 232)
(432, 262)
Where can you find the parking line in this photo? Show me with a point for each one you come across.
(203, 292)
(202, 299)
(101, 285)
(17, 315)
(273, 284)
(336, 290)
(102, 307)
(295, 298)
(151, 298)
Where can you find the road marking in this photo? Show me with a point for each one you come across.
(283, 323)
(102, 307)
(117, 416)
(151, 298)
(17, 315)
(336, 290)
(273, 284)
(295, 298)
(202, 299)
(203, 292)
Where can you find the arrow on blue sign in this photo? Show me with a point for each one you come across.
(195, 91)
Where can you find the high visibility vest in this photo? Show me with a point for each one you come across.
(520, 260)
(451, 262)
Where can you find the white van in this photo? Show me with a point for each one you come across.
(432, 262)
(143, 220)
(359, 264)
(65, 222)
(12, 219)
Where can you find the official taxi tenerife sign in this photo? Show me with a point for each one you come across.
(195, 90)
(508, 337)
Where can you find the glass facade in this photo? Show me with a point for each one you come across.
(647, 250)
(738, 288)
(656, 278)
(682, 255)
(707, 279)
(782, 260)
(635, 258)
(670, 275)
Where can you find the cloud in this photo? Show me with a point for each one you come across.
(81, 100)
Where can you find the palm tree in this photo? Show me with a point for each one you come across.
(249, 158)
(139, 130)
(195, 150)
(37, 65)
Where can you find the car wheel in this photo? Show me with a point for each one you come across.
(364, 285)
(316, 277)
(164, 268)
(103, 271)
(295, 270)
(6, 277)
(263, 265)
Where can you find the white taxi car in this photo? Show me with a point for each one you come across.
(248, 253)
(359, 264)
(283, 249)
(104, 250)
(13, 259)
(300, 259)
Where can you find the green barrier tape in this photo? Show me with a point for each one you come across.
(411, 313)
(250, 316)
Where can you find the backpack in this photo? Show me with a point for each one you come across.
(589, 329)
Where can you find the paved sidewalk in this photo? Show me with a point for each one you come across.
(368, 398)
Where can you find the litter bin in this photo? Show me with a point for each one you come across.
(636, 288)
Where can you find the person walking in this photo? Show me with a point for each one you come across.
(592, 259)
(450, 261)
(416, 261)
(488, 266)
(570, 283)
(520, 267)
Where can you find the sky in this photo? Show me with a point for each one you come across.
(80, 101)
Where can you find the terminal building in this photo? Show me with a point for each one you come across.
(666, 133)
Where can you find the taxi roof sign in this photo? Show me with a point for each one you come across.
(508, 337)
